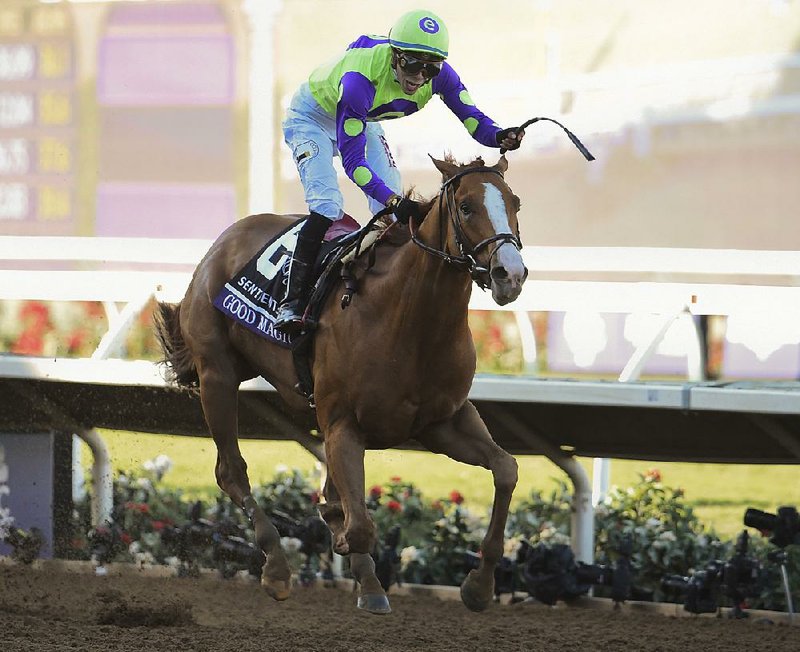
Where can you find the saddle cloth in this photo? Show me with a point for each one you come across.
(252, 297)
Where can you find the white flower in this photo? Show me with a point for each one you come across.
(669, 535)
(291, 544)
(122, 480)
(653, 522)
(134, 548)
(163, 464)
(144, 483)
(280, 469)
(144, 559)
(408, 555)
(511, 546)
(6, 522)
(173, 562)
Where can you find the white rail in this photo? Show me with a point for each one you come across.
(762, 281)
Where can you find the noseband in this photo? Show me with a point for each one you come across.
(468, 251)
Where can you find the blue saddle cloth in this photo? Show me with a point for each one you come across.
(252, 297)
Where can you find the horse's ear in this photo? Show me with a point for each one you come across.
(447, 169)
(502, 165)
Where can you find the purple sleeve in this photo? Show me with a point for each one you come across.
(355, 99)
(449, 87)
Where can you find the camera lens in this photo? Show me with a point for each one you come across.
(760, 520)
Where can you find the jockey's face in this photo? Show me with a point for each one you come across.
(413, 72)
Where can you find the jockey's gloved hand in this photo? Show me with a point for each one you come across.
(510, 138)
(404, 209)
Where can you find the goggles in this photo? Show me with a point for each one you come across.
(412, 65)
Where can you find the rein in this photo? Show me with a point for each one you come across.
(467, 251)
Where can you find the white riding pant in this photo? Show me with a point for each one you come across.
(311, 135)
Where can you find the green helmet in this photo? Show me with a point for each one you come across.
(420, 31)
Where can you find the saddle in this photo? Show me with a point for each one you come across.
(344, 244)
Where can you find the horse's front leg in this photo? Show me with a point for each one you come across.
(345, 512)
(218, 395)
(465, 438)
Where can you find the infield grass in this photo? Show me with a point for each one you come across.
(719, 492)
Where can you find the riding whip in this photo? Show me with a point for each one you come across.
(581, 147)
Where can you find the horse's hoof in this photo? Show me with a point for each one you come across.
(472, 596)
(277, 589)
(374, 603)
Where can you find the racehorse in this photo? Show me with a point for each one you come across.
(396, 365)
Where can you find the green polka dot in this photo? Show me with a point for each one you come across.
(465, 98)
(353, 126)
(471, 124)
(362, 176)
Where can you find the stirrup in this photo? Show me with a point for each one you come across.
(290, 315)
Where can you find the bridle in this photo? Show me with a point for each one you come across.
(468, 252)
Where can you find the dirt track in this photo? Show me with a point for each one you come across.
(55, 610)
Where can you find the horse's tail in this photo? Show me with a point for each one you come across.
(177, 357)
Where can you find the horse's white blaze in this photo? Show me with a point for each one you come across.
(496, 208)
(507, 254)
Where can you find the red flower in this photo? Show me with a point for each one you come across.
(38, 312)
(436, 504)
(142, 508)
(652, 475)
(125, 538)
(456, 497)
(29, 343)
(394, 506)
(94, 310)
(158, 525)
(314, 497)
(75, 340)
(375, 491)
(396, 479)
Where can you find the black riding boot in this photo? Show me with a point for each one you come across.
(301, 269)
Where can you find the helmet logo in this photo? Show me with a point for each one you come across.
(429, 25)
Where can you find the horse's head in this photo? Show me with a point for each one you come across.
(482, 214)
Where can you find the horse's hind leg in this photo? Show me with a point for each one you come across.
(219, 390)
(465, 438)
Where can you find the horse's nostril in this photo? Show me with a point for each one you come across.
(499, 273)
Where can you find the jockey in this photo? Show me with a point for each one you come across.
(337, 112)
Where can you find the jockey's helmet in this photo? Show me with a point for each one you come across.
(421, 32)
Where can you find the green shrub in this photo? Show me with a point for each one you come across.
(440, 540)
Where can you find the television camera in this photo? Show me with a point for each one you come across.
(784, 527)
(738, 578)
(551, 573)
(224, 536)
(784, 530)
(230, 549)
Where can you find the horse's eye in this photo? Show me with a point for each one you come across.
(464, 208)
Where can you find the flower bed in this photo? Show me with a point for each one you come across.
(421, 541)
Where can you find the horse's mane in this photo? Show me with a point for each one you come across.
(448, 158)
(400, 236)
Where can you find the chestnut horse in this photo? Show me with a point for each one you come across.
(396, 365)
